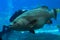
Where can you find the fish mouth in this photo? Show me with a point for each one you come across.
(55, 13)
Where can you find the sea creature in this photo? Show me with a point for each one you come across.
(33, 19)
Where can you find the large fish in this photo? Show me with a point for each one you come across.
(33, 19)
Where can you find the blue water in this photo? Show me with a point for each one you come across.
(7, 9)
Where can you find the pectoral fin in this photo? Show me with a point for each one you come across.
(32, 31)
(49, 21)
(31, 24)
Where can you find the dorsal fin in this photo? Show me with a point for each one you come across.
(44, 7)
(16, 14)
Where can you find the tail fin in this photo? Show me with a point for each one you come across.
(3, 31)
(6, 29)
(55, 13)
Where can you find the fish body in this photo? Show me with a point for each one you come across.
(33, 19)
